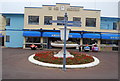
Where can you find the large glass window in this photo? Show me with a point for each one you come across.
(7, 21)
(76, 19)
(7, 38)
(45, 40)
(60, 18)
(47, 20)
(91, 22)
(33, 20)
(114, 26)
(89, 41)
(32, 40)
(109, 42)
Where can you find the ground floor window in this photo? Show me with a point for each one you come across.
(89, 41)
(110, 45)
(32, 39)
(109, 42)
(7, 38)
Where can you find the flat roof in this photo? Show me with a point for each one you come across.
(12, 13)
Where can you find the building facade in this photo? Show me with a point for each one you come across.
(2, 28)
(13, 30)
(34, 26)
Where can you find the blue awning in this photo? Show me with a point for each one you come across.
(111, 36)
(57, 34)
(32, 33)
(91, 35)
(51, 34)
(75, 35)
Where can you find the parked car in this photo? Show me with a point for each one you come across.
(95, 48)
(86, 48)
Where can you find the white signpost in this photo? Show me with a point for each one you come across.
(64, 33)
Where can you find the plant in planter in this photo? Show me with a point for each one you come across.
(48, 57)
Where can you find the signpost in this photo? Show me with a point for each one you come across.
(66, 23)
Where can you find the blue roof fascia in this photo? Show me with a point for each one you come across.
(77, 6)
(48, 5)
(33, 7)
(91, 10)
(4, 14)
(110, 18)
(63, 3)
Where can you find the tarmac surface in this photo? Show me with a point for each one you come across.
(16, 66)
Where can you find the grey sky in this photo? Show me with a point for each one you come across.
(109, 8)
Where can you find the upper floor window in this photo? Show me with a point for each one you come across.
(47, 20)
(60, 18)
(91, 22)
(33, 20)
(7, 21)
(76, 19)
(114, 26)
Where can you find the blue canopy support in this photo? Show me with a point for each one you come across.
(91, 35)
(111, 36)
(32, 33)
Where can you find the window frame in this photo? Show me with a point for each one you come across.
(48, 20)
(114, 25)
(7, 21)
(94, 23)
(33, 22)
(7, 38)
(77, 20)
(32, 39)
(60, 20)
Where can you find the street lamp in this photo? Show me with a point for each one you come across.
(64, 34)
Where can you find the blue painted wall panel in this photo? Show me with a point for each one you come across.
(107, 23)
(16, 21)
(16, 37)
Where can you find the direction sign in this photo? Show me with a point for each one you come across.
(61, 21)
(69, 23)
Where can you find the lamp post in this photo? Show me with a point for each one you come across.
(65, 27)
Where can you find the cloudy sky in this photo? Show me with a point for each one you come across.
(109, 8)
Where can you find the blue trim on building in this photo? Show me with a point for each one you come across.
(77, 6)
(33, 7)
(12, 14)
(91, 10)
(32, 33)
(48, 5)
(91, 35)
(110, 18)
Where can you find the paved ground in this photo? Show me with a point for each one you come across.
(16, 66)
